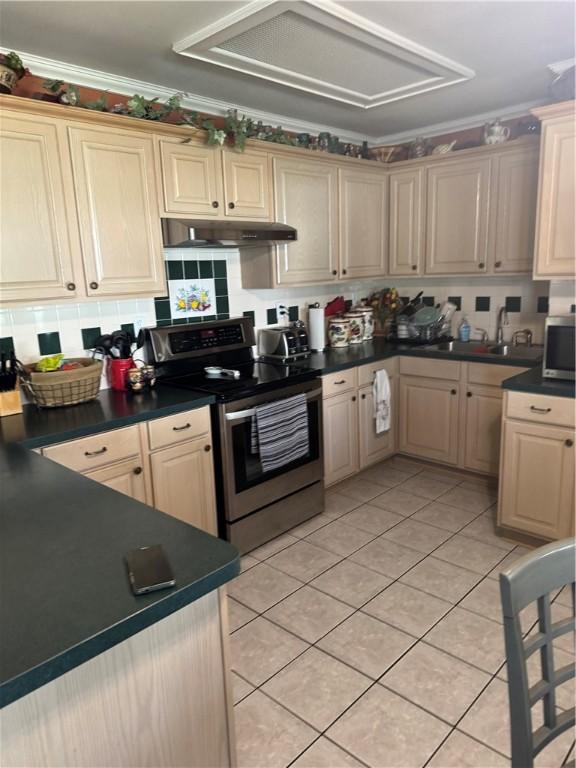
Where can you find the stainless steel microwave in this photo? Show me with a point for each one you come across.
(559, 346)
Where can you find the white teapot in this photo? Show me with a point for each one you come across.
(495, 132)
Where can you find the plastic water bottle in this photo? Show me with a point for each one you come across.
(464, 330)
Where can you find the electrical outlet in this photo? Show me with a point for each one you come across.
(281, 312)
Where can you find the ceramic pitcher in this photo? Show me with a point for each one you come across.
(496, 133)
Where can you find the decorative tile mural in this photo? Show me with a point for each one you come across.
(197, 290)
(192, 298)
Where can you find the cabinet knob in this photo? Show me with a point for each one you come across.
(207, 448)
(453, 392)
(414, 267)
(231, 206)
(71, 286)
(353, 398)
(215, 203)
(334, 271)
(468, 394)
(364, 397)
(569, 443)
(497, 264)
(343, 271)
(93, 285)
(137, 470)
(481, 265)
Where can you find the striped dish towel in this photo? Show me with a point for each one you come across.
(280, 432)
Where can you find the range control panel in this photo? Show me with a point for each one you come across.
(196, 339)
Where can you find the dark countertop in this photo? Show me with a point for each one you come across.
(65, 592)
(532, 381)
(332, 360)
(36, 427)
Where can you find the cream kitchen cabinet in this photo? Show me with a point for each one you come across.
(38, 228)
(375, 446)
(306, 197)
(340, 420)
(125, 477)
(363, 197)
(115, 183)
(209, 182)
(406, 222)
(555, 250)
(515, 189)
(183, 482)
(458, 207)
(537, 468)
(429, 418)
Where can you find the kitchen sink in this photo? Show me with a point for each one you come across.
(487, 349)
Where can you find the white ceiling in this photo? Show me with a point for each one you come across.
(380, 70)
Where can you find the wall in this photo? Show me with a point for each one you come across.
(71, 328)
(562, 297)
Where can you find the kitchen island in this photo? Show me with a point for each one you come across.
(91, 675)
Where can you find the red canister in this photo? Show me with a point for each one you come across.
(118, 373)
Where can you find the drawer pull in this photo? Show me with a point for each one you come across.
(207, 448)
(180, 429)
(569, 443)
(99, 452)
(137, 470)
(342, 381)
(540, 410)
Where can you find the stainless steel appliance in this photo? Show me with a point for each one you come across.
(183, 233)
(253, 506)
(559, 345)
(283, 344)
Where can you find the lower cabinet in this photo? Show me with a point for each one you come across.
(537, 471)
(183, 482)
(375, 446)
(340, 417)
(429, 418)
(125, 477)
(483, 425)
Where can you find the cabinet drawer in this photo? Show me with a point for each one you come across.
(178, 428)
(491, 375)
(366, 373)
(542, 409)
(432, 369)
(97, 450)
(338, 382)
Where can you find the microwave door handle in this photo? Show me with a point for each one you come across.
(249, 412)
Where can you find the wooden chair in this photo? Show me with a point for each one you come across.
(534, 578)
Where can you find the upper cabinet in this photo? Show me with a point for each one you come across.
(555, 250)
(458, 197)
(306, 197)
(38, 234)
(209, 182)
(406, 222)
(117, 211)
(363, 217)
(514, 210)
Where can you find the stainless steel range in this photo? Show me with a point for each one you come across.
(254, 505)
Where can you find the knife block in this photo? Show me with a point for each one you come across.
(10, 403)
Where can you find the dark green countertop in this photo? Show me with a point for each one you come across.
(532, 381)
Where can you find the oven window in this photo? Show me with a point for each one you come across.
(247, 467)
(560, 348)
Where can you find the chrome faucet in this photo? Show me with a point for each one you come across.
(502, 321)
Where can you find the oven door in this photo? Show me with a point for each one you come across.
(246, 486)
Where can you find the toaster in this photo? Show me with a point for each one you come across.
(283, 344)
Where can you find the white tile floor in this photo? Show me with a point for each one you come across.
(371, 634)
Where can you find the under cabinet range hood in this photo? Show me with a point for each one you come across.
(192, 233)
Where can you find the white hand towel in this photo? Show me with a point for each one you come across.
(381, 398)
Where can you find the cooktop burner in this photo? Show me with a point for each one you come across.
(255, 376)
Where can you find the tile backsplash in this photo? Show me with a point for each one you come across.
(72, 328)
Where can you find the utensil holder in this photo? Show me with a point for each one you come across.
(117, 372)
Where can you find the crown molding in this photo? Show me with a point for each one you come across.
(450, 126)
(106, 81)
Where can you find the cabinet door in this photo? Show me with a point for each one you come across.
(515, 210)
(537, 479)
(340, 417)
(247, 185)
(429, 418)
(126, 477)
(375, 446)
(555, 238)
(306, 197)
(191, 179)
(457, 217)
(115, 182)
(183, 482)
(406, 242)
(483, 427)
(363, 236)
(38, 227)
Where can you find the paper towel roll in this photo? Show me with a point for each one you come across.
(316, 328)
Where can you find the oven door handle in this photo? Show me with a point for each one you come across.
(249, 412)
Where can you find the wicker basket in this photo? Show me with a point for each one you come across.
(57, 388)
